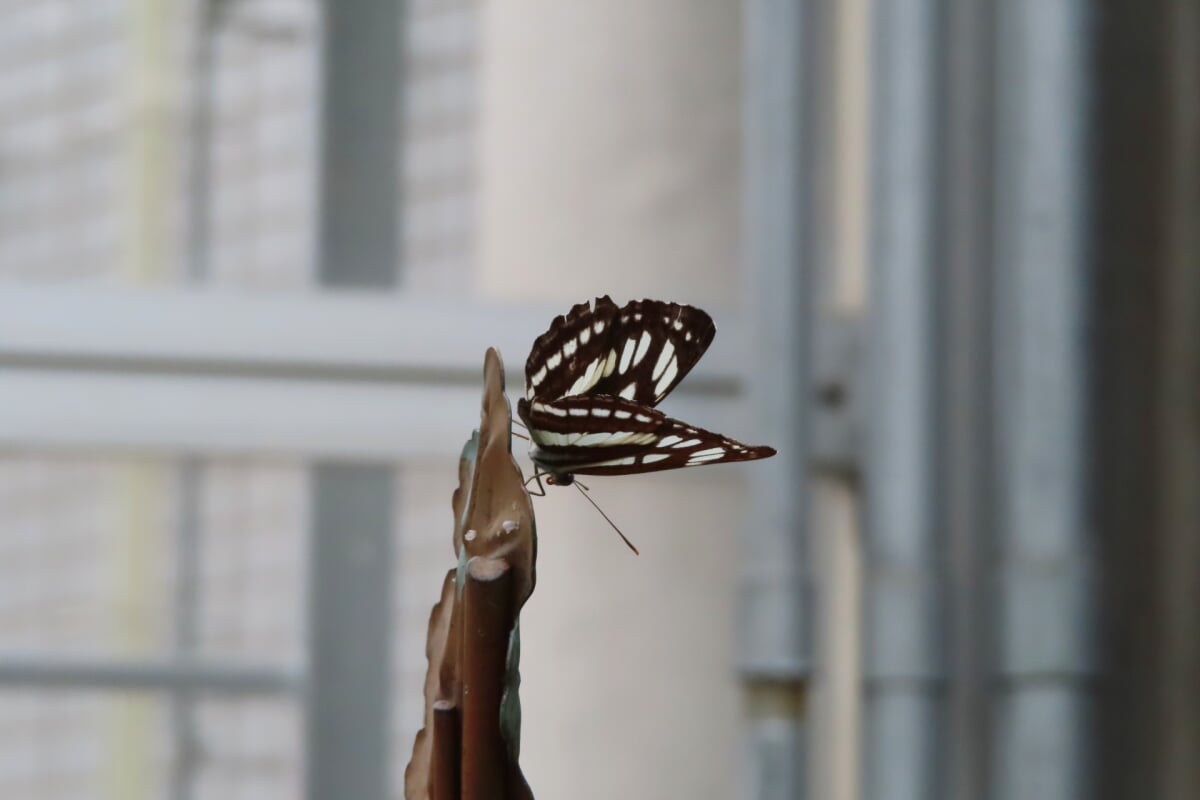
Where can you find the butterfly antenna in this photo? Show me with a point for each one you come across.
(520, 435)
(624, 538)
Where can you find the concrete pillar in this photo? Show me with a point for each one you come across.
(611, 140)
(611, 164)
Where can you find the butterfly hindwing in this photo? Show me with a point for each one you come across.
(638, 352)
(606, 435)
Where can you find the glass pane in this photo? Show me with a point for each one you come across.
(71, 745)
(108, 561)
(249, 749)
(252, 523)
(213, 179)
(83, 557)
(90, 558)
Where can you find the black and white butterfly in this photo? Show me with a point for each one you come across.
(593, 381)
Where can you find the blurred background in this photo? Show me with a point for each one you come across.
(251, 255)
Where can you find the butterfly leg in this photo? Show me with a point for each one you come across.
(537, 476)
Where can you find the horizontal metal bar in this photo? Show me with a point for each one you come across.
(43, 672)
(339, 376)
(351, 336)
(185, 415)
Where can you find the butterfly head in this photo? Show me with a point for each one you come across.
(560, 479)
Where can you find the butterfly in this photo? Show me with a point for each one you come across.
(593, 381)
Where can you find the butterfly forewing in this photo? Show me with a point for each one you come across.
(606, 435)
(639, 352)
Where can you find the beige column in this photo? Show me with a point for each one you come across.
(610, 155)
(610, 138)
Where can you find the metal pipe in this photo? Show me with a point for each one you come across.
(903, 675)
(348, 698)
(1045, 653)
(198, 252)
(31, 671)
(358, 240)
(775, 621)
(966, 473)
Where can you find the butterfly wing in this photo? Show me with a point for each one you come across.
(606, 435)
(639, 352)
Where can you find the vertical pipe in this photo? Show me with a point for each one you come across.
(197, 256)
(186, 744)
(966, 469)
(360, 144)
(775, 635)
(1179, 686)
(350, 625)
(903, 638)
(349, 620)
(1044, 570)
